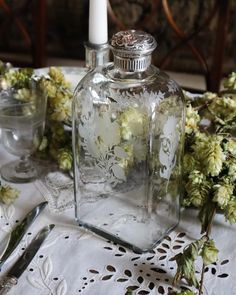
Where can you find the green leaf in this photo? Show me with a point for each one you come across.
(185, 262)
(209, 252)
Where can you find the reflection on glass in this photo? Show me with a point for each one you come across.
(22, 128)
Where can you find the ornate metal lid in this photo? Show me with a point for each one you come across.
(132, 50)
(133, 42)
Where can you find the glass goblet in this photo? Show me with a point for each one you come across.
(22, 126)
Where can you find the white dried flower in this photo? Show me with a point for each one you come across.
(192, 120)
(133, 123)
(222, 194)
(8, 194)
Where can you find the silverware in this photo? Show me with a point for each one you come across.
(11, 278)
(18, 233)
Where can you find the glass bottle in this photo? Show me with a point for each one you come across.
(128, 133)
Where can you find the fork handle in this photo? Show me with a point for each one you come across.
(6, 283)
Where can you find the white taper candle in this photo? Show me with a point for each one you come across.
(98, 21)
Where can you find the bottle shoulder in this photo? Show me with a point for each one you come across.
(108, 80)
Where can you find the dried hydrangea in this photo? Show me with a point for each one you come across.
(189, 163)
(230, 211)
(23, 94)
(230, 146)
(8, 194)
(64, 158)
(197, 189)
(59, 98)
(133, 129)
(58, 141)
(209, 96)
(230, 81)
(57, 76)
(222, 193)
(18, 79)
(49, 87)
(126, 161)
(231, 165)
(192, 120)
(214, 158)
(210, 168)
(133, 123)
(210, 153)
(58, 132)
(43, 145)
(224, 108)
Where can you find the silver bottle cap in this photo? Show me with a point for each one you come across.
(132, 50)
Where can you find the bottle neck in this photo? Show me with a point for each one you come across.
(96, 55)
(136, 64)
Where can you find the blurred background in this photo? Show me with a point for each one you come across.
(195, 37)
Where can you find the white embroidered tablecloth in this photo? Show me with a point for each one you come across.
(72, 261)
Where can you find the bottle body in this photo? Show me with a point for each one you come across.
(128, 142)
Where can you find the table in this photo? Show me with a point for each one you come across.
(73, 261)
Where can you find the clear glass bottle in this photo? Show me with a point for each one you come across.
(128, 132)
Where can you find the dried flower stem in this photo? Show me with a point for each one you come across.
(208, 231)
(203, 106)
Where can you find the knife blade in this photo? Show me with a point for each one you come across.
(11, 278)
(20, 230)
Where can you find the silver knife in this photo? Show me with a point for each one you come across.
(18, 233)
(11, 278)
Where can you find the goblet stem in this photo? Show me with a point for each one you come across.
(20, 171)
(24, 165)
